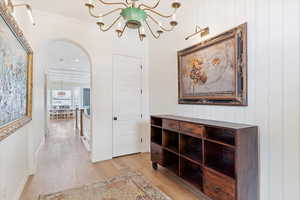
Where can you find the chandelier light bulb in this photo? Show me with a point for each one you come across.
(119, 26)
(91, 2)
(13, 14)
(174, 17)
(160, 31)
(142, 30)
(100, 21)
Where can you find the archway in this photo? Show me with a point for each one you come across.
(67, 69)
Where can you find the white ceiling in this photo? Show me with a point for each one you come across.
(67, 62)
(64, 54)
(76, 8)
(68, 8)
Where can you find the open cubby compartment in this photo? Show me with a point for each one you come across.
(171, 140)
(156, 135)
(191, 147)
(226, 136)
(191, 173)
(220, 158)
(171, 161)
(156, 121)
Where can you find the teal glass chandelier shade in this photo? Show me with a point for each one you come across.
(133, 17)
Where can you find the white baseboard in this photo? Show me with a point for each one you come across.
(33, 169)
(86, 143)
(20, 188)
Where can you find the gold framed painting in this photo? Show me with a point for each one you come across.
(15, 75)
(214, 72)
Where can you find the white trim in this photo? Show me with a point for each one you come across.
(33, 169)
(20, 188)
(86, 143)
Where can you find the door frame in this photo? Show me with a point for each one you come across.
(113, 96)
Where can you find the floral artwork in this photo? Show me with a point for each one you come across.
(210, 70)
(15, 75)
(214, 71)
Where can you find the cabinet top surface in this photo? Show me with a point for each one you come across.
(206, 122)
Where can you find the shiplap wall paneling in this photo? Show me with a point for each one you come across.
(273, 81)
(291, 120)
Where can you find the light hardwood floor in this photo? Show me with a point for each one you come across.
(64, 163)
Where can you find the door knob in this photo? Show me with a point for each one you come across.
(115, 118)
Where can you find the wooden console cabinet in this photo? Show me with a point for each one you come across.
(218, 158)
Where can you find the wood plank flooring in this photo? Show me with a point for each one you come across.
(64, 163)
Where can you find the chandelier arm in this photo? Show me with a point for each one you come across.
(148, 7)
(108, 13)
(163, 28)
(22, 4)
(155, 36)
(162, 15)
(116, 3)
(106, 29)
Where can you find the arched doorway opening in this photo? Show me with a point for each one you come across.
(67, 90)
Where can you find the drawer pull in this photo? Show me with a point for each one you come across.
(217, 190)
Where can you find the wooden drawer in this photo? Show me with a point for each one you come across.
(192, 128)
(218, 187)
(156, 153)
(171, 124)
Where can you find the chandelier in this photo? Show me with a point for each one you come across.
(136, 16)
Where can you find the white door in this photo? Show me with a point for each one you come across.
(127, 106)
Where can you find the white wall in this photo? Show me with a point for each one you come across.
(14, 155)
(273, 45)
(100, 47)
(13, 165)
(21, 161)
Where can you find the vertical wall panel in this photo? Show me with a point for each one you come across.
(273, 82)
(262, 90)
(291, 99)
(276, 99)
(252, 84)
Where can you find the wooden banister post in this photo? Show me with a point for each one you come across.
(81, 122)
(76, 118)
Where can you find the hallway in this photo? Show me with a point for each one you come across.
(64, 163)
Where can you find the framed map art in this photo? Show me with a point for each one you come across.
(15, 76)
(214, 72)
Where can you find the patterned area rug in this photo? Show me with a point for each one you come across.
(132, 186)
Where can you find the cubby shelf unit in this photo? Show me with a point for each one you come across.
(218, 158)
